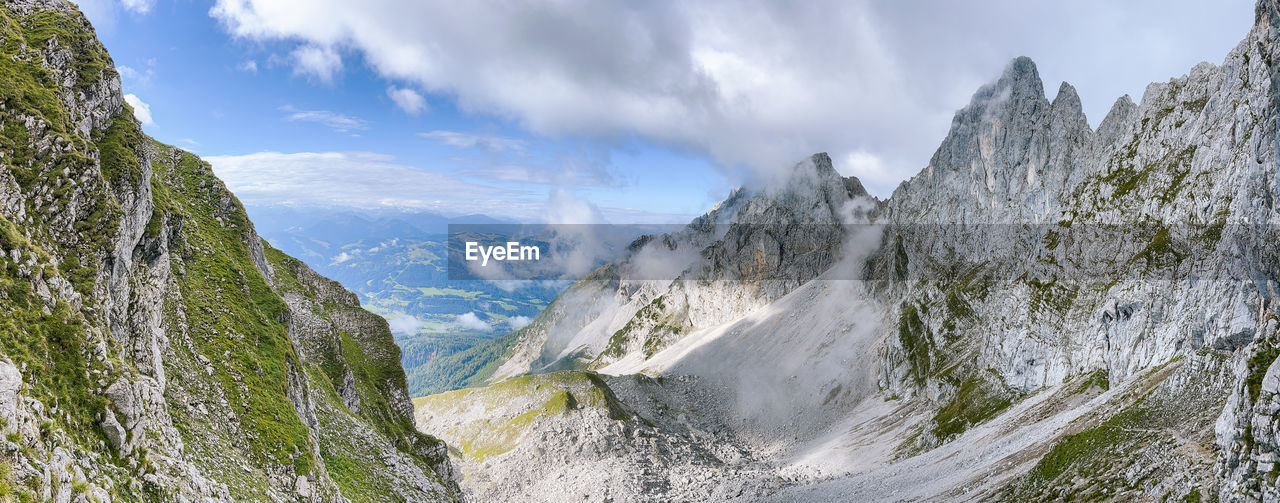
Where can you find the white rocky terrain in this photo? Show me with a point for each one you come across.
(1046, 311)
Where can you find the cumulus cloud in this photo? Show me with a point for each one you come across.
(342, 257)
(566, 208)
(471, 322)
(519, 322)
(321, 63)
(404, 324)
(408, 100)
(141, 110)
(338, 122)
(757, 84)
(357, 179)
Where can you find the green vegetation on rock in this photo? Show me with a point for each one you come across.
(506, 411)
(977, 398)
(916, 340)
(151, 339)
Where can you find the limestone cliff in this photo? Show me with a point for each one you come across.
(152, 348)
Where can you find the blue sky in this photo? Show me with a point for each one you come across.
(218, 96)
(623, 112)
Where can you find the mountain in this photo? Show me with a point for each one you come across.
(397, 264)
(152, 346)
(796, 227)
(1046, 311)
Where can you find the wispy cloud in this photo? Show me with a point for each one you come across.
(136, 78)
(248, 65)
(338, 122)
(468, 140)
(371, 180)
(408, 100)
(360, 180)
(563, 174)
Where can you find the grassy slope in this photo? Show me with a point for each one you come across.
(52, 344)
(504, 412)
(226, 308)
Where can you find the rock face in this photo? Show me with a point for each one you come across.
(153, 347)
(567, 436)
(1046, 310)
(777, 238)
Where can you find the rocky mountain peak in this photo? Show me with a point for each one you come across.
(1021, 73)
(821, 163)
(1013, 102)
(1067, 102)
(825, 169)
(1018, 92)
(810, 192)
(1006, 151)
(1122, 113)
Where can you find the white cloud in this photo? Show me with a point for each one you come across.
(342, 257)
(562, 174)
(138, 6)
(248, 65)
(141, 110)
(759, 84)
(566, 208)
(319, 62)
(404, 324)
(383, 245)
(471, 322)
(467, 140)
(876, 176)
(361, 180)
(519, 322)
(338, 122)
(408, 100)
